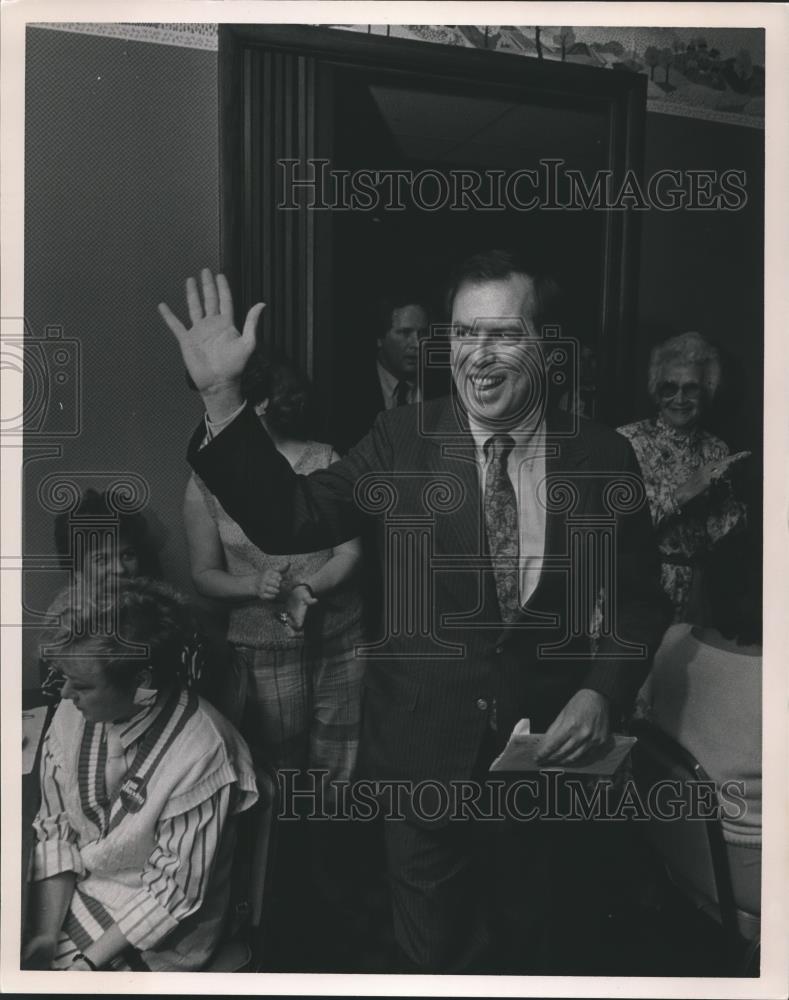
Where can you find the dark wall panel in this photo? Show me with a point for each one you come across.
(703, 270)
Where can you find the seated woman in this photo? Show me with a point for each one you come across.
(685, 468)
(705, 690)
(141, 782)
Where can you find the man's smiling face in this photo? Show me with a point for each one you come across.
(496, 358)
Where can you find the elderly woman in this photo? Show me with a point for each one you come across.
(684, 467)
(141, 781)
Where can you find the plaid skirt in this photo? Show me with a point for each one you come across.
(300, 708)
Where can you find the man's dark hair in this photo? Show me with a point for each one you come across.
(385, 305)
(499, 264)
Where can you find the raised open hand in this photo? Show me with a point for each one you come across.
(214, 352)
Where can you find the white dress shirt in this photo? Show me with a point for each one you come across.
(526, 469)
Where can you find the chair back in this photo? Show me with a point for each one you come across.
(691, 846)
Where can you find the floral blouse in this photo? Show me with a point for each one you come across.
(668, 457)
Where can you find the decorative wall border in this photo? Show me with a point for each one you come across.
(204, 36)
(189, 36)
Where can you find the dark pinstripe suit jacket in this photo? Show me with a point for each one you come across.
(444, 654)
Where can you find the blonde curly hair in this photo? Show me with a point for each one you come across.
(142, 623)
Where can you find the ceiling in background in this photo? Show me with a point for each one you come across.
(446, 128)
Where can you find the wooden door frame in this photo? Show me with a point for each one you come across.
(276, 94)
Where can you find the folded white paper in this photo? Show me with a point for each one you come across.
(520, 755)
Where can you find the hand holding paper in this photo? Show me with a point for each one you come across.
(580, 726)
(524, 750)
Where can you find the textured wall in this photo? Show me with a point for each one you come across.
(121, 202)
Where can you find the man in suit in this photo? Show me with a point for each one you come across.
(400, 321)
(476, 498)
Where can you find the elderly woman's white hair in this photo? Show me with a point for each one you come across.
(686, 349)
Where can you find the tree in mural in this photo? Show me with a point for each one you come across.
(537, 42)
(564, 38)
(666, 60)
(743, 65)
(652, 59)
(715, 69)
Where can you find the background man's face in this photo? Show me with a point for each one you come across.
(496, 360)
(398, 349)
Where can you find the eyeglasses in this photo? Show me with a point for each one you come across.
(668, 390)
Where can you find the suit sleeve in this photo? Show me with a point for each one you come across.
(636, 608)
(278, 510)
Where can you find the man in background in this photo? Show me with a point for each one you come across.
(400, 321)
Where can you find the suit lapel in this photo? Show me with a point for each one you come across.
(459, 535)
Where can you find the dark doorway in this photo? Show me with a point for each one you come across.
(441, 139)
(358, 102)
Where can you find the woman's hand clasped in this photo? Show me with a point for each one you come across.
(299, 601)
(269, 583)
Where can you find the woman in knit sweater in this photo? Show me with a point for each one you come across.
(294, 620)
(141, 781)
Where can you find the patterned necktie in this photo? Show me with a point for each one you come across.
(501, 521)
(401, 393)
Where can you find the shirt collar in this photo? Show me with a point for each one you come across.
(130, 730)
(528, 438)
(389, 382)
